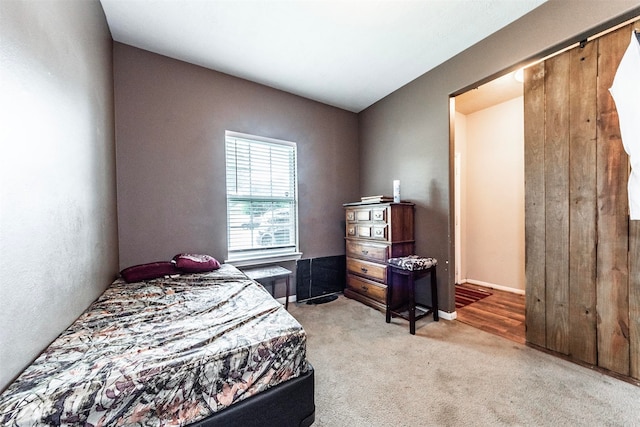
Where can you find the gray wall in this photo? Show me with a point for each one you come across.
(406, 135)
(171, 119)
(58, 227)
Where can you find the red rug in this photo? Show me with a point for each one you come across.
(466, 296)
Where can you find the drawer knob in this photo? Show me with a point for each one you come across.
(365, 288)
(364, 270)
(378, 232)
(364, 252)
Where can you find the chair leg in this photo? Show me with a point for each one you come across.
(286, 301)
(389, 294)
(434, 294)
(412, 305)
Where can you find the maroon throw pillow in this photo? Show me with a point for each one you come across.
(196, 263)
(152, 270)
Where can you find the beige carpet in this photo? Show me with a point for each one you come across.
(369, 373)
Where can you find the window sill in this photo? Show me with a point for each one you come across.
(263, 259)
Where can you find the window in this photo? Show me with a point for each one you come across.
(262, 213)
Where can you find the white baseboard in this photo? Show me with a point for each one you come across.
(447, 316)
(494, 286)
(442, 314)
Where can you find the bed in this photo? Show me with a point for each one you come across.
(204, 349)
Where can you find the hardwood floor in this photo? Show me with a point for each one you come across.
(501, 313)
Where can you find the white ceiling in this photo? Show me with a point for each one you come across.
(346, 53)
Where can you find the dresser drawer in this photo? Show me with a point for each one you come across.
(367, 269)
(379, 214)
(372, 251)
(366, 287)
(378, 232)
(359, 215)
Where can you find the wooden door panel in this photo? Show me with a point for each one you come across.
(534, 205)
(634, 299)
(556, 177)
(612, 173)
(582, 203)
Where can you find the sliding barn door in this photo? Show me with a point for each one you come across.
(582, 252)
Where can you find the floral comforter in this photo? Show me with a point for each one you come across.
(161, 352)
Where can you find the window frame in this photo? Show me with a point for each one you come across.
(255, 256)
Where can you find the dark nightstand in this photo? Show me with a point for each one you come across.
(268, 276)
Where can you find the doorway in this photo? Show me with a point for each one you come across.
(489, 204)
(586, 320)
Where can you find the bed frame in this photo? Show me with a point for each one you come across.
(289, 404)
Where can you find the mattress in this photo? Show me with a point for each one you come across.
(162, 352)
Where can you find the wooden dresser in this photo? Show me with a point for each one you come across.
(375, 233)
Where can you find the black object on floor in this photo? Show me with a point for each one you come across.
(317, 277)
(323, 300)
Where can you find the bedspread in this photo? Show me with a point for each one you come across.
(161, 352)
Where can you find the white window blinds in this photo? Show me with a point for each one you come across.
(261, 197)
